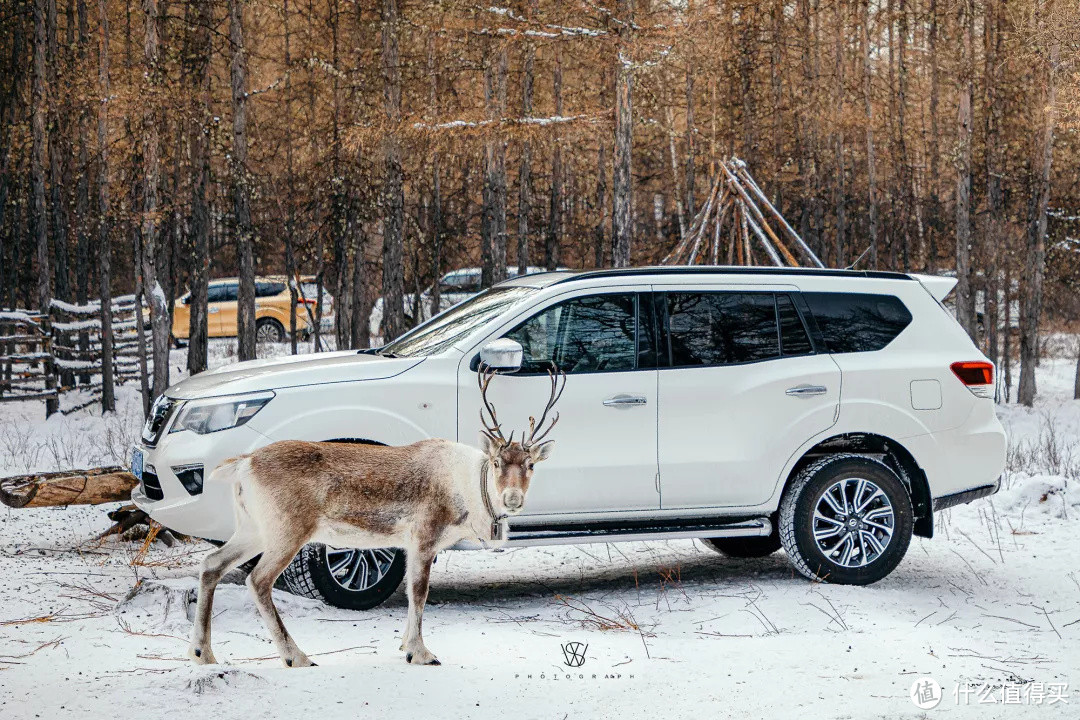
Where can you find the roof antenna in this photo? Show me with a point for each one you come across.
(859, 259)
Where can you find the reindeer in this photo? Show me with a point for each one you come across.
(422, 498)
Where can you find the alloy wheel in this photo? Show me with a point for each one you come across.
(853, 522)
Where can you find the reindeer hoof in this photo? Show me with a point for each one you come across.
(201, 657)
(422, 657)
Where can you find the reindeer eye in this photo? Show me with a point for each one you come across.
(495, 463)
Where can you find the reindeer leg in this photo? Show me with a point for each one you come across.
(418, 572)
(261, 583)
(240, 548)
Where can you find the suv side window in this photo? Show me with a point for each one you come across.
(231, 292)
(857, 322)
(721, 328)
(595, 333)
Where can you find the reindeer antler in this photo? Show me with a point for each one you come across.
(554, 373)
(492, 430)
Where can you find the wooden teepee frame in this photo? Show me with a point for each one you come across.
(739, 217)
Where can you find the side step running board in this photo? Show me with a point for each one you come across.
(609, 532)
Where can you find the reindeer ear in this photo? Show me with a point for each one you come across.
(542, 451)
(486, 444)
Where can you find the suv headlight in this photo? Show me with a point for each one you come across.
(220, 413)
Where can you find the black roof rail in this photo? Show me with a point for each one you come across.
(729, 270)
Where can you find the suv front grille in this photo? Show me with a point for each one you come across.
(155, 423)
(151, 485)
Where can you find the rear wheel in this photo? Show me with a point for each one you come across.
(269, 330)
(846, 519)
(345, 578)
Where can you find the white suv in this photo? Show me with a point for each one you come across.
(828, 412)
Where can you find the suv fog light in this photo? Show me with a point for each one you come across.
(191, 477)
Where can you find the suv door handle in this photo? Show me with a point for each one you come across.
(806, 390)
(624, 400)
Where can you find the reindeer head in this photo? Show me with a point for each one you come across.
(512, 462)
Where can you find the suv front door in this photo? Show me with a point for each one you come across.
(605, 450)
(741, 388)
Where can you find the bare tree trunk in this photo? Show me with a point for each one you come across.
(104, 249)
(871, 169)
(553, 238)
(82, 189)
(361, 313)
(839, 189)
(57, 151)
(290, 188)
(245, 311)
(622, 219)
(151, 253)
(493, 225)
(601, 207)
(435, 216)
(393, 193)
(994, 236)
(525, 169)
(1035, 264)
(690, 147)
(934, 145)
(965, 295)
(39, 224)
(199, 142)
(339, 221)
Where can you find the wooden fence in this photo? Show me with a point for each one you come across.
(50, 357)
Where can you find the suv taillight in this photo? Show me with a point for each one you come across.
(978, 376)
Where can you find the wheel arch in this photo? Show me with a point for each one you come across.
(892, 453)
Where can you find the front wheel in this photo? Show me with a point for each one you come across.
(846, 519)
(347, 578)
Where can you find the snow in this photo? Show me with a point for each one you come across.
(76, 325)
(671, 627)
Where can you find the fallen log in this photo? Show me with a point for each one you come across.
(69, 487)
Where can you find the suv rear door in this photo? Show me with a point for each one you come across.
(741, 388)
(605, 450)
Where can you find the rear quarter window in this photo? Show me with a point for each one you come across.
(857, 322)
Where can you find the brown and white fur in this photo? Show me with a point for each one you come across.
(422, 498)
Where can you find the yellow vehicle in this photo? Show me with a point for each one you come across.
(271, 309)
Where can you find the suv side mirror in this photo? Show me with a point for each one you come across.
(502, 354)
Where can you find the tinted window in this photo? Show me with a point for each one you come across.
(587, 334)
(793, 337)
(215, 293)
(858, 322)
(721, 328)
(269, 289)
(231, 292)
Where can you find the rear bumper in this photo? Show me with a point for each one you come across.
(965, 496)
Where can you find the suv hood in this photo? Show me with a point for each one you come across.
(290, 371)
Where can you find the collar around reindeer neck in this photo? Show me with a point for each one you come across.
(498, 524)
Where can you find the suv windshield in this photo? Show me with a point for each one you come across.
(444, 330)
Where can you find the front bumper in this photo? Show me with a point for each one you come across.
(208, 514)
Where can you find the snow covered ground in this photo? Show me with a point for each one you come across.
(990, 609)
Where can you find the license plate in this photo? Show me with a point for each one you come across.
(137, 463)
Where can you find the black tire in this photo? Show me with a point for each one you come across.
(746, 547)
(309, 575)
(269, 330)
(800, 512)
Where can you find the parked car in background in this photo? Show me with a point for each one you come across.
(454, 287)
(271, 309)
